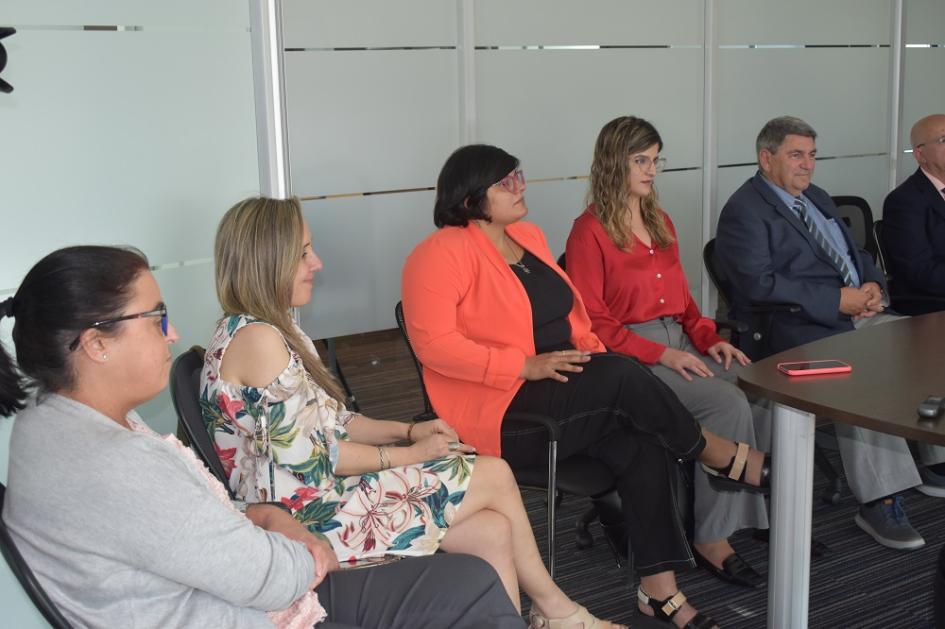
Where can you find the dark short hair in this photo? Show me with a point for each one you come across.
(775, 130)
(464, 181)
(63, 294)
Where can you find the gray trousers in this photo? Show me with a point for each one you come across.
(441, 590)
(721, 407)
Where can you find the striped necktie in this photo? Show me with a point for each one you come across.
(800, 206)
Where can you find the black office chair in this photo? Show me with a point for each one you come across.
(26, 577)
(901, 300)
(753, 337)
(578, 475)
(334, 365)
(185, 394)
(856, 214)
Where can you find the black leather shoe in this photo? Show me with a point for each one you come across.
(817, 549)
(734, 570)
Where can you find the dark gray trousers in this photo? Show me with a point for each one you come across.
(442, 590)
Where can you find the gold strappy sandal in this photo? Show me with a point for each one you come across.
(580, 618)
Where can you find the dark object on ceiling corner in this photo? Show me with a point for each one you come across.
(5, 31)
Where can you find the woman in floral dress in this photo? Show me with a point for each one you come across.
(283, 433)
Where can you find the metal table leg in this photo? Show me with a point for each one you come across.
(791, 504)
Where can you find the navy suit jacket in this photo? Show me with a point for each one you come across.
(770, 256)
(914, 236)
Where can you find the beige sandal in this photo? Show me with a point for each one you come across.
(580, 618)
(732, 476)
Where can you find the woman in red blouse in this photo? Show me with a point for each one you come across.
(623, 256)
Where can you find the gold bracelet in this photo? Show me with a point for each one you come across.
(410, 430)
(384, 458)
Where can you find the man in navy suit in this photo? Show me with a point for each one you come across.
(779, 240)
(914, 219)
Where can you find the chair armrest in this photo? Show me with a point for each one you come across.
(769, 307)
(521, 420)
(917, 298)
(730, 324)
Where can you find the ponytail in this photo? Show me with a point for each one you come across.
(12, 384)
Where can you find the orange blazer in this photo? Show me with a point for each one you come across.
(470, 323)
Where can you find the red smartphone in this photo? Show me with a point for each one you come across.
(814, 367)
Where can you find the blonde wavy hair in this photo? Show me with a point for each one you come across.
(256, 256)
(620, 139)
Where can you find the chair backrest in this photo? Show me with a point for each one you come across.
(185, 394)
(26, 577)
(428, 412)
(757, 326)
(856, 214)
(880, 246)
(719, 279)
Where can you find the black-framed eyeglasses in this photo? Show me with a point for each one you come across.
(160, 312)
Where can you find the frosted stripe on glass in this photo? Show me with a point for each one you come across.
(366, 121)
(842, 93)
(368, 23)
(568, 22)
(804, 21)
(186, 14)
(547, 107)
(124, 138)
(363, 242)
(925, 22)
(923, 94)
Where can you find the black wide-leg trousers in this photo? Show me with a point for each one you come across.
(617, 411)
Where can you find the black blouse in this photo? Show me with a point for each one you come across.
(551, 300)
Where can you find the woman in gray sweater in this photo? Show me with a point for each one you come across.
(125, 528)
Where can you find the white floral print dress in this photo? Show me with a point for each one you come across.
(280, 443)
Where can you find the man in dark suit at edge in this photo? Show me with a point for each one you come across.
(779, 240)
(914, 219)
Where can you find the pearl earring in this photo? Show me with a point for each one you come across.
(104, 356)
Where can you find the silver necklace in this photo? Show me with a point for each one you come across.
(519, 264)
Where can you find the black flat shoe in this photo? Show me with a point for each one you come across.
(817, 549)
(667, 608)
(734, 570)
(732, 476)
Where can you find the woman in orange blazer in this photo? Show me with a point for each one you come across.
(499, 327)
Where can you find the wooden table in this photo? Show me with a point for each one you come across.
(895, 367)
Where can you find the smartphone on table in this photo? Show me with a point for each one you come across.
(814, 367)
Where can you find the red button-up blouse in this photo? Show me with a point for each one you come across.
(623, 287)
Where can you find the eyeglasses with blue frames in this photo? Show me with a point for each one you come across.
(160, 312)
(513, 182)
